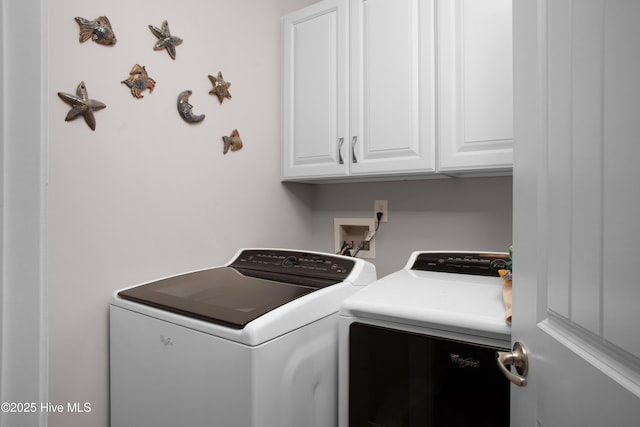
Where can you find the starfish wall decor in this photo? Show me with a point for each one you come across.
(81, 105)
(220, 87)
(165, 39)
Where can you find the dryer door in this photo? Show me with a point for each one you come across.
(404, 379)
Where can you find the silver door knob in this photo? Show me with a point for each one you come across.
(519, 358)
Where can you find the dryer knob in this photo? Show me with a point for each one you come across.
(498, 264)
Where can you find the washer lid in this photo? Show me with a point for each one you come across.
(226, 295)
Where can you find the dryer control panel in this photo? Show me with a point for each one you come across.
(476, 263)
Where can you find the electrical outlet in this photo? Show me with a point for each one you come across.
(381, 206)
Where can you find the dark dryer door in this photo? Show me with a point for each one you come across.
(400, 379)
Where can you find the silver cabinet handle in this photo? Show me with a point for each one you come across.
(519, 358)
(354, 159)
(340, 142)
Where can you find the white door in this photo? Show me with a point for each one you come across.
(577, 211)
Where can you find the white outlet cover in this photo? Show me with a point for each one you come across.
(381, 206)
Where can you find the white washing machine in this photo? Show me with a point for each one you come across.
(252, 343)
(418, 347)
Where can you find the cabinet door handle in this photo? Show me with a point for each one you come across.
(340, 142)
(354, 159)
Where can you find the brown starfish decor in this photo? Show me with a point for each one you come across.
(220, 87)
(81, 105)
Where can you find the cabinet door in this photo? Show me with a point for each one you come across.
(315, 92)
(392, 100)
(475, 85)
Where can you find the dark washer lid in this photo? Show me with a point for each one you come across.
(256, 282)
(221, 295)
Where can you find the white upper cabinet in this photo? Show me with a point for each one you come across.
(368, 94)
(475, 85)
(314, 89)
(392, 82)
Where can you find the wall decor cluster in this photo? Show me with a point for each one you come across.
(101, 32)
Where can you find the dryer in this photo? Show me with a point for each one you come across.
(418, 347)
(246, 344)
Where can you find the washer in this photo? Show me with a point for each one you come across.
(247, 344)
(418, 347)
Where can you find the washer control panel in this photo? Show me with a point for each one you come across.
(294, 262)
(476, 263)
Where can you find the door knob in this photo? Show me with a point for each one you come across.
(519, 358)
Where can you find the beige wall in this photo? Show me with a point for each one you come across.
(435, 214)
(147, 194)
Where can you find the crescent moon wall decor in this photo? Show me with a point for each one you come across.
(184, 108)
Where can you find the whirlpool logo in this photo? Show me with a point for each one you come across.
(166, 340)
(464, 363)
